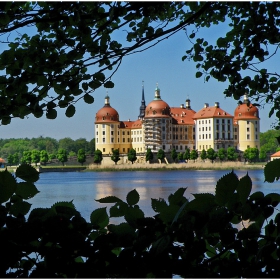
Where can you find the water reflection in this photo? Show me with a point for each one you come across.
(85, 188)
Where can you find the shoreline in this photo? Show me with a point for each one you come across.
(175, 166)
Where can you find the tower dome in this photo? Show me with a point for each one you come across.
(246, 111)
(157, 108)
(106, 113)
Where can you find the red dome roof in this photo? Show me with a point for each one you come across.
(246, 111)
(107, 114)
(157, 108)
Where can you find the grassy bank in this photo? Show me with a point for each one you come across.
(178, 166)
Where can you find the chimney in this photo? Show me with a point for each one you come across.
(217, 105)
(206, 105)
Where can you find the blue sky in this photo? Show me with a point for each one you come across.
(161, 64)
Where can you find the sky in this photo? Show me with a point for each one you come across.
(161, 64)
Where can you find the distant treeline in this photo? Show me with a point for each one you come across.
(12, 146)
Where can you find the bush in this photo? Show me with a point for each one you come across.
(196, 238)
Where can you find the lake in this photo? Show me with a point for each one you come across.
(84, 187)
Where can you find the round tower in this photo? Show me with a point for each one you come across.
(246, 126)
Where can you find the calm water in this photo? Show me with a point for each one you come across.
(84, 187)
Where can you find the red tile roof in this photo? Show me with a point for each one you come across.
(212, 112)
(182, 116)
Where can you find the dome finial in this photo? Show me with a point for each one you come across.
(107, 99)
(246, 100)
(157, 92)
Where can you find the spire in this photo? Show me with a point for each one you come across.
(157, 93)
(143, 104)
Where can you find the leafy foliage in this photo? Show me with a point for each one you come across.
(161, 155)
(174, 154)
(97, 156)
(231, 154)
(205, 237)
(116, 156)
(251, 154)
(81, 156)
(62, 156)
(149, 155)
(187, 154)
(194, 155)
(211, 154)
(203, 155)
(132, 155)
(69, 51)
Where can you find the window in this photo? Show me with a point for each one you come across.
(205, 136)
(123, 133)
(128, 133)
(96, 140)
(202, 122)
(181, 148)
(209, 136)
(218, 146)
(96, 132)
(163, 128)
(103, 125)
(186, 129)
(217, 121)
(248, 122)
(123, 139)
(127, 139)
(112, 132)
(228, 121)
(248, 136)
(235, 137)
(103, 132)
(96, 126)
(186, 137)
(256, 129)
(103, 150)
(112, 140)
(118, 133)
(248, 129)
(256, 136)
(223, 121)
(112, 126)
(209, 128)
(123, 149)
(199, 136)
(103, 140)
(163, 147)
(235, 129)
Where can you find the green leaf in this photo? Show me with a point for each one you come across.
(158, 204)
(20, 208)
(132, 197)
(225, 188)
(119, 209)
(27, 173)
(51, 114)
(177, 197)
(272, 171)
(203, 202)
(160, 245)
(26, 190)
(109, 84)
(192, 36)
(70, 111)
(7, 186)
(109, 199)
(88, 99)
(132, 215)
(244, 188)
(99, 217)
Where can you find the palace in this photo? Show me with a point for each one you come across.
(160, 126)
